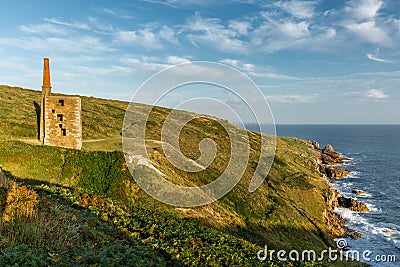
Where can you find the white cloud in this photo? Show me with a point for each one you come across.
(365, 20)
(240, 27)
(295, 98)
(44, 28)
(352, 93)
(144, 63)
(376, 94)
(211, 32)
(370, 32)
(271, 75)
(237, 64)
(364, 9)
(98, 25)
(298, 9)
(371, 94)
(187, 3)
(73, 24)
(256, 71)
(85, 44)
(294, 30)
(144, 38)
(147, 63)
(375, 58)
(117, 13)
(174, 60)
(168, 34)
(276, 33)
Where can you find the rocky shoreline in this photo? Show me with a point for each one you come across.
(326, 160)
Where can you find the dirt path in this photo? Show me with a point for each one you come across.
(30, 141)
(94, 140)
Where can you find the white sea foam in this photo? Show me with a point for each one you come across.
(352, 216)
(390, 232)
(373, 208)
(385, 231)
(365, 195)
(347, 184)
(353, 174)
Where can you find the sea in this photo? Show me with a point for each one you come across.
(374, 151)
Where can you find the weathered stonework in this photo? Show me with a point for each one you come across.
(60, 118)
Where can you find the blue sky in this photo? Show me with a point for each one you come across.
(319, 61)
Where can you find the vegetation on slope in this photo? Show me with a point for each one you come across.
(284, 213)
(101, 118)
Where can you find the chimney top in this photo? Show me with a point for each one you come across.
(46, 86)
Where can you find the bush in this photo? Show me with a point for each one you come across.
(103, 173)
(21, 203)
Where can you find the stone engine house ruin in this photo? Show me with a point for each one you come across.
(60, 116)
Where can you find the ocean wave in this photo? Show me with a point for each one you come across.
(353, 174)
(387, 232)
(390, 232)
(346, 184)
(373, 208)
(345, 188)
(365, 195)
(353, 217)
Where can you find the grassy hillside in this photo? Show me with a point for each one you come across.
(286, 212)
(100, 118)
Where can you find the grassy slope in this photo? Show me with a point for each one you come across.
(100, 118)
(284, 213)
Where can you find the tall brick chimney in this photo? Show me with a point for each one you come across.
(46, 91)
(46, 87)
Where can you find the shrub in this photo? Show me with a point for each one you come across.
(20, 204)
(103, 173)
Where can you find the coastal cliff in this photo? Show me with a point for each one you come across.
(326, 159)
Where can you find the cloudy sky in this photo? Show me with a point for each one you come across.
(319, 61)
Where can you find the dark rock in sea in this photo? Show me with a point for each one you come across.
(330, 156)
(358, 192)
(328, 149)
(352, 204)
(334, 172)
(355, 235)
(326, 157)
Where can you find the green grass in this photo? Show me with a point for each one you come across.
(101, 118)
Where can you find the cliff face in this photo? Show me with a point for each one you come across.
(326, 159)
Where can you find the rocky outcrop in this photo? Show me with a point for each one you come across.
(334, 172)
(352, 204)
(333, 220)
(330, 156)
(353, 234)
(358, 192)
(327, 157)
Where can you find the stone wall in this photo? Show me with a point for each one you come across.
(62, 121)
